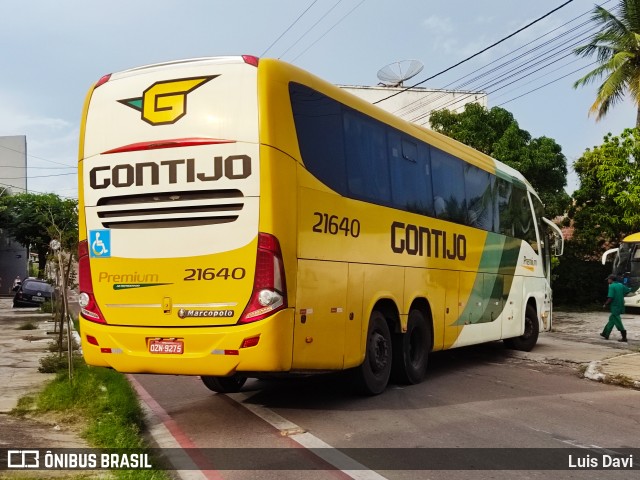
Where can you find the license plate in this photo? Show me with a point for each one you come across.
(38, 299)
(166, 346)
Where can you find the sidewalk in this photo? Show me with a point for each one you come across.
(20, 354)
(600, 362)
(21, 351)
(619, 362)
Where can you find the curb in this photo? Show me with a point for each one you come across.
(596, 371)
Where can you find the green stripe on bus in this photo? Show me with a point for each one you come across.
(493, 281)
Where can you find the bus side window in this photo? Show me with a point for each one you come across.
(367, 162)
(523, 217)
(318, 121)
(480, 193)
(504, 222)
(410, 175)
(450, 202)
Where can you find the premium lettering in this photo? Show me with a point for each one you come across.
(427, 242)
(233, 167)
(130, 278)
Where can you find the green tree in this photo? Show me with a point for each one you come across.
(496, 133)
(33, 220)
(616, 45)
(607, 204)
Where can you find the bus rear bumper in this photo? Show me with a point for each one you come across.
(216, 351)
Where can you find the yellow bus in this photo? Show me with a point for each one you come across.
(241, 218)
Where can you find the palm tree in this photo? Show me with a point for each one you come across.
(617, 47)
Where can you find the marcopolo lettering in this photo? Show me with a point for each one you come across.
(233, 167)
(427, 242)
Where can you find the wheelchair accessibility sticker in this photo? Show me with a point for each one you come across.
(100, 243)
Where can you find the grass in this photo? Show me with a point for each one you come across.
(106, 407)
(28, 326)
(621, 380)
(46, 307)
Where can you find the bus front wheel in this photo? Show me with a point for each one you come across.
(373, 375)
(411, 350)
(529, 338)
(231, 384)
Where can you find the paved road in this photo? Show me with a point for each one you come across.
(483, 396)
(478, 397)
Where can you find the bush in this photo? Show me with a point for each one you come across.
(579, 282)
(55, 346)
(46, 307)
(28, 326)
(55, 363)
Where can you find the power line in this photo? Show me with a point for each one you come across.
(502, 94)
(462, 99)
(548, 83)
(478, 53)
(33, 191)
(311, 28)
(500, 66)
(39, 167)
(334, 26)
(40, 176)
(545, 60)
(34, 156)
(528, 92)
(289, 28)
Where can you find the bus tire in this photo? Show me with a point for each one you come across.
(529, 338)
(411, 350)
(372, 377)
(231, 384)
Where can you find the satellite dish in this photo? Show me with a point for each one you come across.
(394, 74)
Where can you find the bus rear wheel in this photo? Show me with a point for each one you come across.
(231, 384)
(529, 338)
(372, 376)
(411, 350)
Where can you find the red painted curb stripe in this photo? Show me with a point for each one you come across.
(176, 432)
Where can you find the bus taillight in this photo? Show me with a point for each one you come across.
(89, 309)
(251, 60)
(269, 286)
(104, 79)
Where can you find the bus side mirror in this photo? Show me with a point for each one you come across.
(607, 253)
(558, 239)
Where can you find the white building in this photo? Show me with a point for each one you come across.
(13, 179)
(416, 104)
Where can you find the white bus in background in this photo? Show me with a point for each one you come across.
(626, 265)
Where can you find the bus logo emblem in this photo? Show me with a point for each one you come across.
(164, 103)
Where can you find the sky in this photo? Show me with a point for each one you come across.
(53, 51)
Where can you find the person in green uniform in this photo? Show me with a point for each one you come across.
(615, 298)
